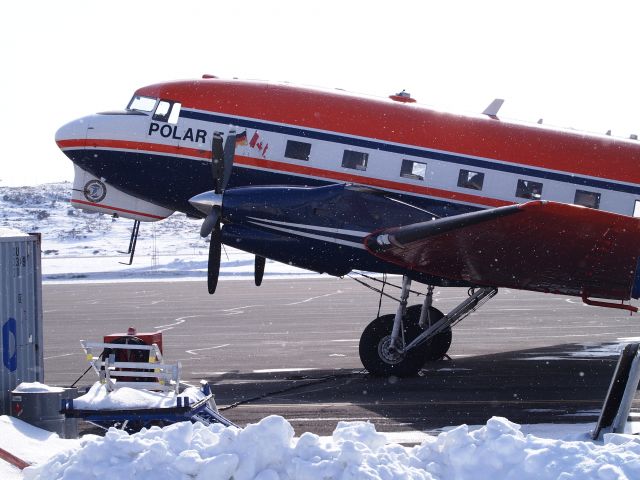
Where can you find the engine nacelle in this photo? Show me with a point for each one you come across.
(95, 195)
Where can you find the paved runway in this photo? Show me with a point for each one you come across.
(290, 348)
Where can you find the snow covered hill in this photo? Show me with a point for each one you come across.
(68, 231)
(77, 245)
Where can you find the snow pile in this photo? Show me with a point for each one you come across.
(99, 398)
(269, 451)
(31, 444)
(36, 387)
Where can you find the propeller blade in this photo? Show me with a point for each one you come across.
(217, 162)
(213, 268)
(229, 154)
(221, 165)
(258, 271)
(209, 222)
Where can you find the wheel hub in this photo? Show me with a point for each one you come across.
(388, 353)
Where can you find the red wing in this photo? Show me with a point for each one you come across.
(541, 246)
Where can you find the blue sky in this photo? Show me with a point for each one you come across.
(573, 63)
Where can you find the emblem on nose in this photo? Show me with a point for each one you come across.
(95, 191)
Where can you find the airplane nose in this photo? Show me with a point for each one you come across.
(75, 130)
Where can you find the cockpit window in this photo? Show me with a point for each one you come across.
(142, 104)
(167, 111)
(162, 112)
(175, 113)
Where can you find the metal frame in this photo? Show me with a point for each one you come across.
(622, 389)
(166, 376)
(132, 242)
(476, 299)
(459, 313)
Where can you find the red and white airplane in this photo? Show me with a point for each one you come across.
(331, 182)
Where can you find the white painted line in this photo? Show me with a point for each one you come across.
(239, 310)
(58, 356)
(178, 321)
(193, 352)
(313, 298)
(279, 370)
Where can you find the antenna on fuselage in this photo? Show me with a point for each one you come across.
(493, 108)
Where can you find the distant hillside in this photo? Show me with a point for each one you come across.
(67, 231)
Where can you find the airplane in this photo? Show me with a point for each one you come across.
(331, 181)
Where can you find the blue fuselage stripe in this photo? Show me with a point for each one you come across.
(415, 152)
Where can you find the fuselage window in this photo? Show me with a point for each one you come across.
(167, 111)
(355, 160)
(529, 189)
(636, 209)
(413, 170)
(587, 199)
(141, 104)
(297, 150)
(469, 179)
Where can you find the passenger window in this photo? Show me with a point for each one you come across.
(167, 111)
(413, 170)
(529, 189)
(297, 150)
(469, 179)
(636, 209)
(355, 160)
(587, 199)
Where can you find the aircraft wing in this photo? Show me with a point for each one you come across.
(542, 246)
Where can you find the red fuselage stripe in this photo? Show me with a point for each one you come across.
(123, 210)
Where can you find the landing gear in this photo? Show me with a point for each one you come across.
(400, 344)
(380, 359)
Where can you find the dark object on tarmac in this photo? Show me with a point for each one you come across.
(617, 403)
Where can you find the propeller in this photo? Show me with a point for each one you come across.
(210, 202)
(213, 266)
(258, 271)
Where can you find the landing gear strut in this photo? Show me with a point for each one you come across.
(400, 344)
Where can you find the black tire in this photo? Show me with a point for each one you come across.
(374, 342)
(438, 346)
(377, 358)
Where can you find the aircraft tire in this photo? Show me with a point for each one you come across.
(374, 341)
(377, 358)
(438, 346)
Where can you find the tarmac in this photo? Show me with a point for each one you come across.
(290, 348)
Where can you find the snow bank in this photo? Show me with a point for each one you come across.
(268, 451)
(29, 443)
(99, 398)
(36, 387)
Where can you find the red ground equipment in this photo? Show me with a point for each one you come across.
(132, 337)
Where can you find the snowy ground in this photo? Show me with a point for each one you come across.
(83, 247)
(270, 450)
